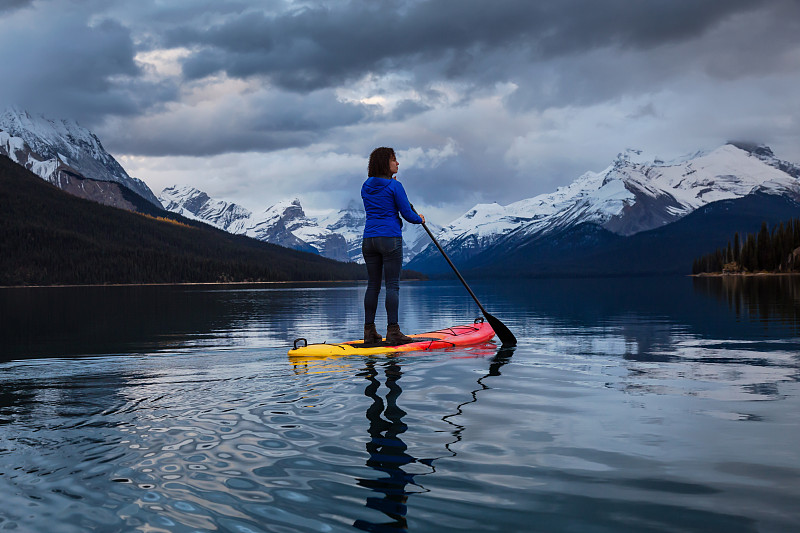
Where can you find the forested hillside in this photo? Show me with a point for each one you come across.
(50, 237)
(775, 250)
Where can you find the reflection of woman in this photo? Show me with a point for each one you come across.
(382, 247)
(387, 452)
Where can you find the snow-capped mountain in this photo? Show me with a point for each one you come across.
(65, 154)
(197, 205)
(349, 223)
(336, 235)
(284, 223)
(632, 195)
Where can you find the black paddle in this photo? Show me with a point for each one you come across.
(500, 329)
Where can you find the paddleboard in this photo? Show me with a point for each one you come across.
(476, 333)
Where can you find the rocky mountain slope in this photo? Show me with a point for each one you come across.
(72, 158)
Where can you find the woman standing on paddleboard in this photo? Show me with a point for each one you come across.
(382, 247)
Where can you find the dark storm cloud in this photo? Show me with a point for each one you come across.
(11, 5)
(752, 40)
(69, 68)
(326, 46)
(145, 74)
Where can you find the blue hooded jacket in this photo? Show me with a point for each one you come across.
(383, 199)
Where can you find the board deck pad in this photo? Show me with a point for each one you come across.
(385, 343)
(477, 333)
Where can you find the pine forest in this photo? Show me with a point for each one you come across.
(769, 250)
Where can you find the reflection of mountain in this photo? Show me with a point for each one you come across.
(649, 314)
(74, 321)
(771, 300)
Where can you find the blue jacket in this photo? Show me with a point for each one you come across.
(383, 199)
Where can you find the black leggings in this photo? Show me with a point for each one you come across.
(383, 256)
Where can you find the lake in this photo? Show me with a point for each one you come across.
(641, 405)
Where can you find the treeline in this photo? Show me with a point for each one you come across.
(775, 250)
(49, 237)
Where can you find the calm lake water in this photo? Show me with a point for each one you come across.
(644, 405)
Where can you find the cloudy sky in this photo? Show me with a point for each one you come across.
(254, 101)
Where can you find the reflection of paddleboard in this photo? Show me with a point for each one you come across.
(476, 333)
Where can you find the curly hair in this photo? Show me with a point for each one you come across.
(379, 162)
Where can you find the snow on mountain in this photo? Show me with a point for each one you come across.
(58, 150)
(416, 239)
(630, 196)
(284, 223)
(349, 223)
(336, 234)
(197, 205)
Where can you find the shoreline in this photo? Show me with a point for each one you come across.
(177, 284)
(190, 284)
(742, 274)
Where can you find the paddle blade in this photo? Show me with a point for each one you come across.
(500, 329)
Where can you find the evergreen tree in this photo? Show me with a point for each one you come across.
(763, 248)
(768, 250)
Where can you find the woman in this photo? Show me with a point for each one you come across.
(382, 247)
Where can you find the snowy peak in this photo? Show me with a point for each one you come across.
(284, 223)
(349, 223)
(351, 218)
(290, 211)
(725, 173)
(764, 153)
(634, 194)
(197, 205)
(50, 138)
(53, 149)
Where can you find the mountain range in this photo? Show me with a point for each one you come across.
(620, 220)
(640, 215)
(73, 159)
(49, 237)
(336, 235)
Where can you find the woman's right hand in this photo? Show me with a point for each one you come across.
(423, 218)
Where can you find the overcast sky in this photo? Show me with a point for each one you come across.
(254, 101)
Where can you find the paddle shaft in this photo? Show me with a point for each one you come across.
(505, 335)
(444, 254)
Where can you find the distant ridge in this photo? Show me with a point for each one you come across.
(49, 237)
